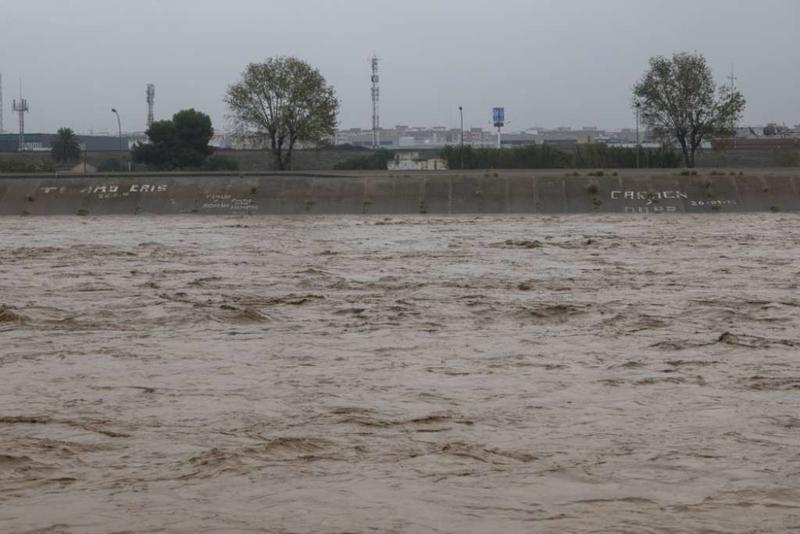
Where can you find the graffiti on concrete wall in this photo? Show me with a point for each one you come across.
(664, 201)
(108, 191)
(713, 202)
(228, 202)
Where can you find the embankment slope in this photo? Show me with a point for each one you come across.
(451, 192)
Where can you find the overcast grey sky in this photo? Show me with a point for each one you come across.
(549, 62)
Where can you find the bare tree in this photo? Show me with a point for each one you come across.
(283, 100)
(679, 100)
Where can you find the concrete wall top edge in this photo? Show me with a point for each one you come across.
(499, 173)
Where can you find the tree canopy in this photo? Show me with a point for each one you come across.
(179, 143)
(283, 100)
(65, 146)
(679, 100)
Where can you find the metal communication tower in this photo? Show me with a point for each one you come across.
(2, 104)
(376, 97)
(21, 107)
(151, 100)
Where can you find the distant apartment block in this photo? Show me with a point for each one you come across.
(403, 137)
(408, 137)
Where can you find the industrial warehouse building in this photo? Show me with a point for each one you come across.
(41, 142)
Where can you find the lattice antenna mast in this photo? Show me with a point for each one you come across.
(151, 101)
(2, 103)
(21, 107)
(376, 98)
(732, 79)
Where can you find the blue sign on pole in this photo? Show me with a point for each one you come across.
(499, 116)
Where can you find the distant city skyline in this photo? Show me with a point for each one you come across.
(550, 63)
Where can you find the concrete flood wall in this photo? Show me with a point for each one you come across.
(383, 193)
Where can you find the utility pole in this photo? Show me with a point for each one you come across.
(119, 128)
(461, 151)
(638, 144)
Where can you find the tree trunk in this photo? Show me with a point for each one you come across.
(688, 156)
(289, 152)
(277, 153)
(276, 144)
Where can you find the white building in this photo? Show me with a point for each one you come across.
(412, 161)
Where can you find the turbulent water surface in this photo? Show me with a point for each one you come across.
(415, 374)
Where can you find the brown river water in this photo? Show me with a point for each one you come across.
(409, 374)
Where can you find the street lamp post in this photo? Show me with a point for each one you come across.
(461, 151)
(119, 128)
(638, 148)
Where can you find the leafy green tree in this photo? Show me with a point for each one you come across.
(283, 100)
(679, 100)
(160, 152)
(65, 146)
(193, 131)
(178, 143)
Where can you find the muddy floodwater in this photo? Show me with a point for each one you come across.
(404, 374)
